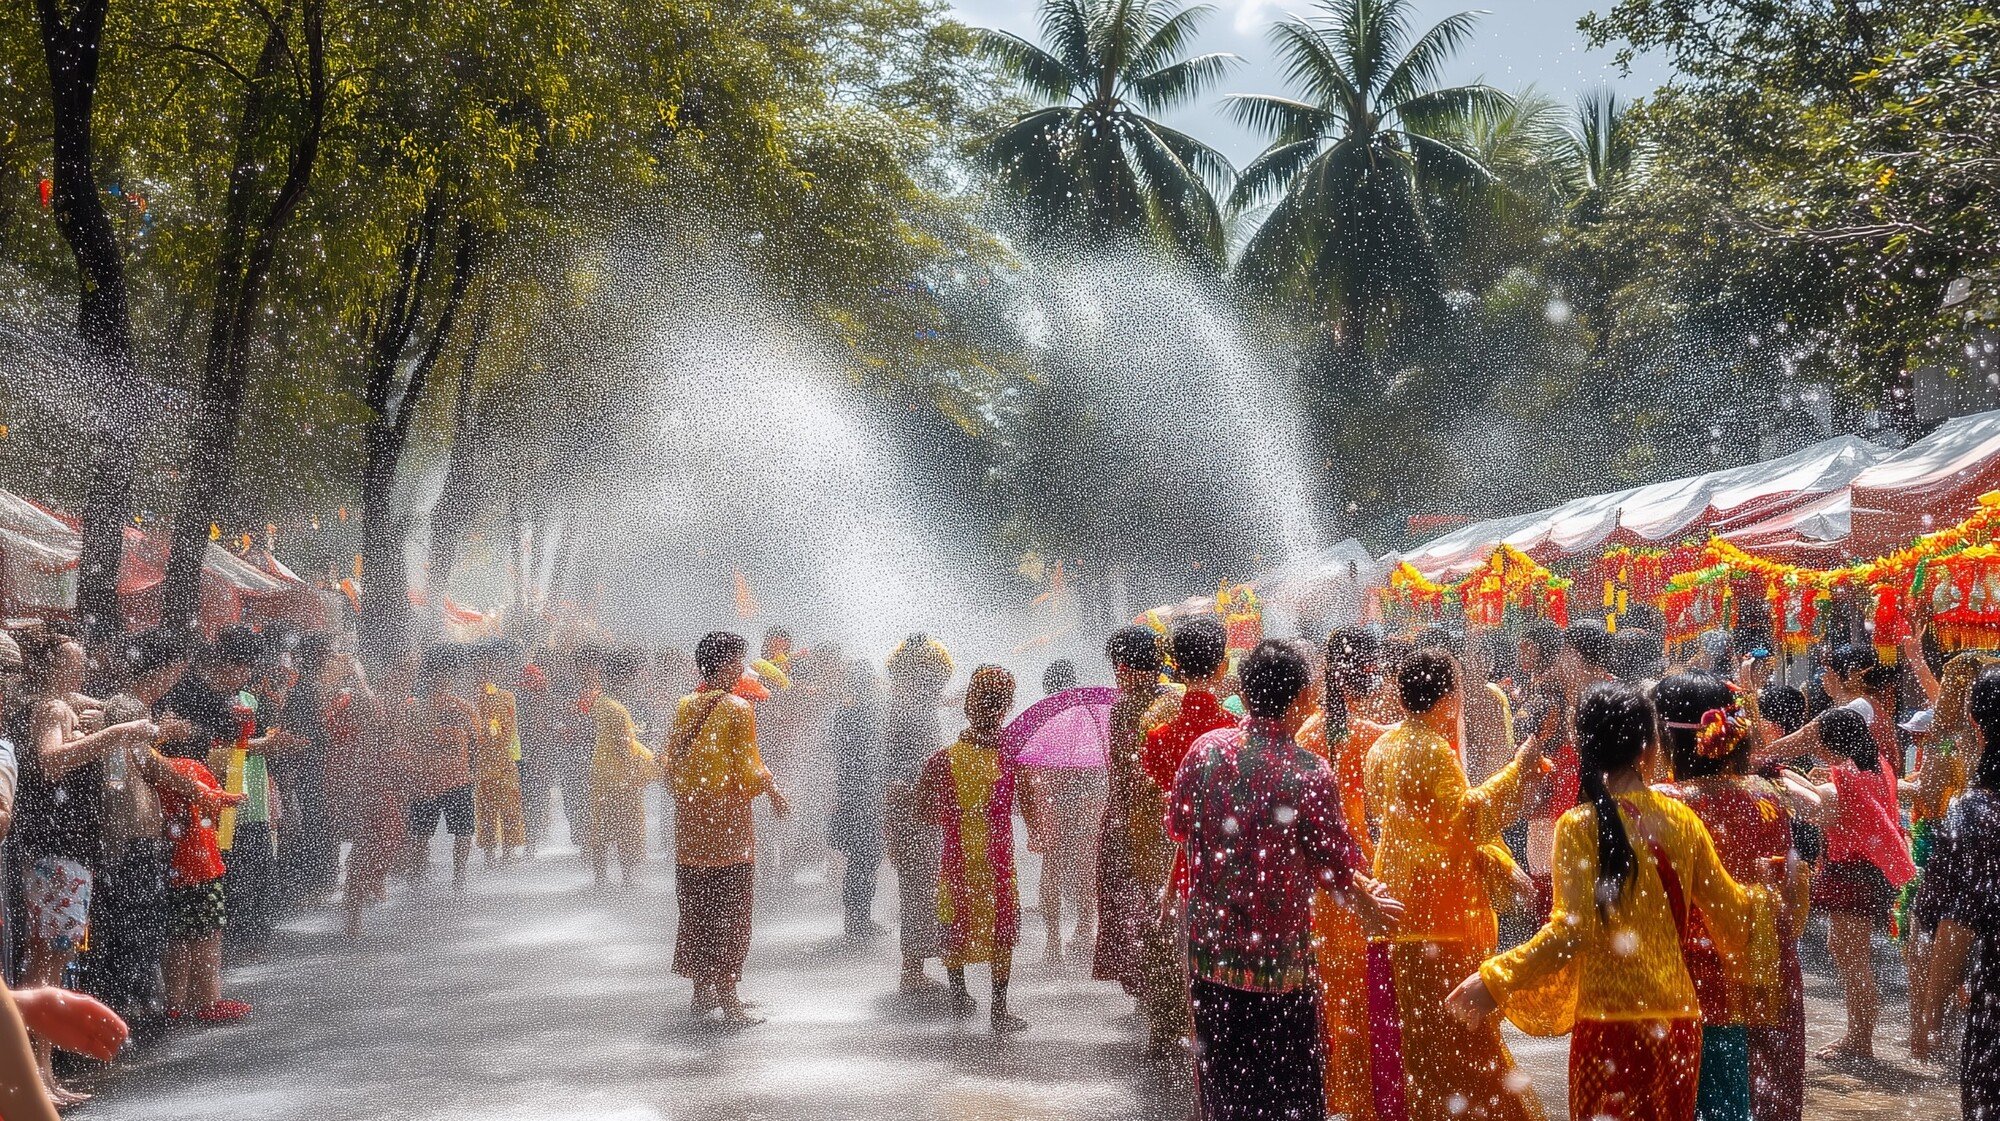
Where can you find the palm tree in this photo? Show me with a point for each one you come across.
(1354, 161)
(1523, 142)
(1605, 155)
(1089, 161)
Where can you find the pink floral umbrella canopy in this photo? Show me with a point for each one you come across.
(1067, 729)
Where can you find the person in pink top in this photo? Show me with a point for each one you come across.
(1867, 859)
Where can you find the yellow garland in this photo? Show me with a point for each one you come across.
(1899, 565)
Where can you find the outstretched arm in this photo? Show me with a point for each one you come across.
(22, 1095)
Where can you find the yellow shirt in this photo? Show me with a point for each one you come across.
(498, 742)
(617, 757)
(1432, 824)
(1579, 966)
(714, 780)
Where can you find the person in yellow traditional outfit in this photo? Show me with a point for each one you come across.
(1431, 856)
(620, 766)
(500, 830)
(1608, 967)
(716, 773)
(973, 791)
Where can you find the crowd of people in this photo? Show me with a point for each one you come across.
(1325, 870)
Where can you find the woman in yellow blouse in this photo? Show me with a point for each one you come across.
(1607, 968)
(715, 771)
(1430, 856)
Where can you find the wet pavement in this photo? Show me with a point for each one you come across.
(534, 997)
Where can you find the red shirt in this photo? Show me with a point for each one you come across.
(1167, 747)
(442, 724)
(195, 859)
(1168, 744)
(1750, 826)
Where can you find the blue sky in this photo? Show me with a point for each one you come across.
(1519, 43)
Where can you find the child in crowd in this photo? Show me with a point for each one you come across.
(195, 901)
(972, 789)
(1753, 1029)
(620, 769)
(1867, 860)
(500, 830)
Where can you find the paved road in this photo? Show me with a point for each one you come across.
(534, 998)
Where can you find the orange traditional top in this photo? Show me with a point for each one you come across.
(1348, 757)
(1581, 966)
(1432, 825)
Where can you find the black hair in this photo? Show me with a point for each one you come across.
(1134, 647)
(1844, 660)
(777, 633)
(1845, 733)
(1437, 636)
(1614, 725)
(717, 649)
(236, 645)
(310, 653)
(1643, 617)
(41, 646)
(1783, 705)
(1425, 678)
(1274, 674)
(1060, 675)
(1592, 643)
(1639, 654)
(442, 661)
(1199, 644)
(1984, 708)
(1546, 638)
(1879, 677)
(623, 665)
(152, 650)
(1501, 659)
(1351, 655)
(1683, 699)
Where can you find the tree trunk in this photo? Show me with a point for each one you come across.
(385, 603)
(458, 499)
(248, 253)
(103, 322)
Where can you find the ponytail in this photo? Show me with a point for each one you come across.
(1984, 709)
(1614, 725)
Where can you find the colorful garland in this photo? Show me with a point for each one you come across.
(1951, 577)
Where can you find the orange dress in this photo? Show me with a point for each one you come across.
(1434, 828)
(1340, 948)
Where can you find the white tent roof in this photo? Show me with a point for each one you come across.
(1655, 512)
(1959, 445)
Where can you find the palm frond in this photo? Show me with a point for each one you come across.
(1370, 34)
(1177, 193)
(1066, 27)
(1446, 165)
(1312, 66)
(1182, 81)
(1034, 69)
(1210, 165)
(1170, 38)
(1272, 171)
(1444, 112)
(1282, 118)
(1422, 68)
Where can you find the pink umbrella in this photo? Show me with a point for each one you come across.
(1067, 729)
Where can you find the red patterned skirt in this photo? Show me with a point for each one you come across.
(1634, 1070)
